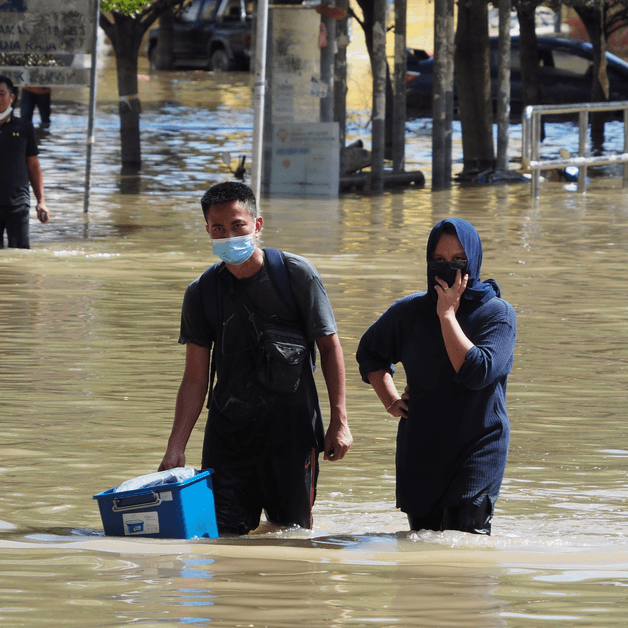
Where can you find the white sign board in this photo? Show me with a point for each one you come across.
(305, 160)
(46, 26)
(46, 76)
(295, 64)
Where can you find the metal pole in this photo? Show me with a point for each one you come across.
(525, 137)
(536, 143)
(259, 96)
(583, 124)
(625, 181)
(92, 108)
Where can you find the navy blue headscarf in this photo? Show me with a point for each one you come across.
(477, 291)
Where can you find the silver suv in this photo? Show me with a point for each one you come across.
(210, 33)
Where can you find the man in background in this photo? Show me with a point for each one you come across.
(32, 97)
(19, 168)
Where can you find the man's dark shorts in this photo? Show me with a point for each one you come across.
(285, 487)
(14, 220)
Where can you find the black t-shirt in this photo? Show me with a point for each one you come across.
(17, 142)
(246, 421)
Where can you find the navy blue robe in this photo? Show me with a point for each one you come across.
(452, 448)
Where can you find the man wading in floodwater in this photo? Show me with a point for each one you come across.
(19, 166)
(254, 319)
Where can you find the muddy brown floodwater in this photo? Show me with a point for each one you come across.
(90, 366)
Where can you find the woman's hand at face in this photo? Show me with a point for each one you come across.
(449, 297)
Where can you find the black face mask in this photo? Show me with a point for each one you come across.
(445, 271)
(446, 274)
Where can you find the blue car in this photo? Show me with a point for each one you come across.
(565, 71)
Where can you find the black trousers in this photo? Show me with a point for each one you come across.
(284, 486)
(30, 101)
(14, 220)
(465, 517)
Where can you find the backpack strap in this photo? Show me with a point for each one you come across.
(278, 273)
(210, 282)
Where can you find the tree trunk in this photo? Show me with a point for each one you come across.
(593, 20)
(126, 34)
(163, 54)
(529, 56)
(503, 84)
(129, 107)
(399, 101)
(126, 38)
(474, 87)
(368, 7)
(529, 59)
(443, 93)
(380, 75)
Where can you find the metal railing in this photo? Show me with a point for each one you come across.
(531, 142)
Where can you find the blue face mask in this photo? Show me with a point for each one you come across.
(234, 251)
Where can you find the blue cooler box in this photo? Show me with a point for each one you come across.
(178, 510)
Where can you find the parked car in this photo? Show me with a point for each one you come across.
(566, 67)
(210, 33)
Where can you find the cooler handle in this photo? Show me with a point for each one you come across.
(156, 501)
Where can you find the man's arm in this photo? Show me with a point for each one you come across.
(36, 177)
(190, 401)
(338, 438)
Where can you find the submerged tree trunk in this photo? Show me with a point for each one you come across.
(126, 35)
(474, 86)
(368, 13)
(164, 49)
(529, 58)
(380, 73)
(399, 101)
(593, 19)
(529, 55)
(443, 93)
(503, 85)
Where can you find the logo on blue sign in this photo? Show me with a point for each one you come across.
(13, 5)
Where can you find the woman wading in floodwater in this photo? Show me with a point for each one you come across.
(456, 344)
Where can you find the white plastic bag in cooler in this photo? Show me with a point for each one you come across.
(171, 476)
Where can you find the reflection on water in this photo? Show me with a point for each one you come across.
(90, 367)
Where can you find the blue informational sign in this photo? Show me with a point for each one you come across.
(305, 159)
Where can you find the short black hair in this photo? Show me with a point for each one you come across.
(8, 82)
(228, 191)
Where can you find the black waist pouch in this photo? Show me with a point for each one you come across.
(281, 356)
